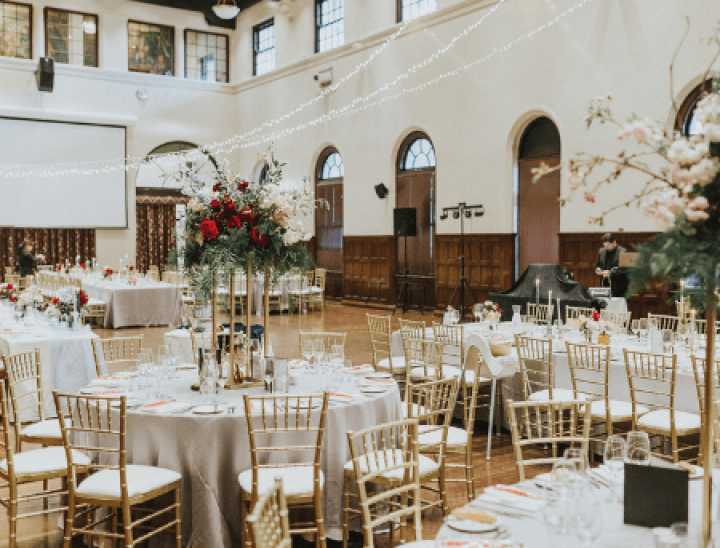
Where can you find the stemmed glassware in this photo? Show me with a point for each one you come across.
(318, 350)
(614, 459)
(643, 327)
(638, 448)
(635, 327)
(307, 349)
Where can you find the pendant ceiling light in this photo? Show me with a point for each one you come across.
(226, 9)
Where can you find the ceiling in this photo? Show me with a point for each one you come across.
(204, 7)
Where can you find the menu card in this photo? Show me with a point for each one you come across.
(655, 496)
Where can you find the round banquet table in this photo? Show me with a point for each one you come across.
(211, 450)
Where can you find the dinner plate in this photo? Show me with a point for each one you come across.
(544, 480)
(378, 376)
(470, 526)
(374, 389)
(208, 409)
(125, 374)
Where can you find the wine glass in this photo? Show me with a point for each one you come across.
(318, 350)
(643, 328)
(585, 518)
(638, 448)
(635, 327)
(307, 349)
(577, 456)
(614, 459)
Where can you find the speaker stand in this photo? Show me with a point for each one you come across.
(462, 284)
(403, 292)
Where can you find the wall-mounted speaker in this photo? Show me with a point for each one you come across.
(405, 221)
(45, 74)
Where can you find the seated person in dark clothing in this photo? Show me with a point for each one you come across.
(26, 261)
(608, 258)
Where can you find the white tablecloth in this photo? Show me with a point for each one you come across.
(210, 452)
(66, 357)
(180, 345)
(142, 305)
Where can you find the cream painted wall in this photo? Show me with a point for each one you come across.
(474, 119)
(175, 110)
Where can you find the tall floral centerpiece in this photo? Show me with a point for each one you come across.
(235, 225)
(681, 193)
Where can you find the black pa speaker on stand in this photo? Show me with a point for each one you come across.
(45, 74)
(404, 225)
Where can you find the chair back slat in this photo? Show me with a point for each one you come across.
(269, 521)
(536, 365)
(423, 358)
(541, 312)
(453, 337)
(24, 373)
(380, 337)
(574, 312)
(116, 351)
(589, 369)
(652, 380)
(665, 322)
(329, 338)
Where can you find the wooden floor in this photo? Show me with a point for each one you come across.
(44, 531)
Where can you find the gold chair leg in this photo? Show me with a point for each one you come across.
(443, 492)
(346, 512)
(320, 540)
(469, 472)
(127, 525)
(12, 519)
(178, 525)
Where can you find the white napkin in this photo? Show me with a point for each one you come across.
(503, 498)
(109, 381)
(343, 397)
(161, 407)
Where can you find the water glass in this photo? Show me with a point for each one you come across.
(307, 349)
(577, 456)
(638, 448)
(585, 516)
(318, 350)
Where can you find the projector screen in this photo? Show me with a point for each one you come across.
(66, 201)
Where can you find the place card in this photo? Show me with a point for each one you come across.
(655, 496)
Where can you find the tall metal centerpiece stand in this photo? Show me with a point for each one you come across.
(462, 211)
(706, 437)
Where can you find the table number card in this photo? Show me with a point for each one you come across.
(655, 496)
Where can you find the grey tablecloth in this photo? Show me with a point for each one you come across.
(141, 305)
(66, 357)
(210, 452)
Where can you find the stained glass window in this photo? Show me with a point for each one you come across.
(412, 9)
(16, 30)
(206, 56)
(264, 47)
(420, 154)
(151, 48)
(71, 37)
(330, 31)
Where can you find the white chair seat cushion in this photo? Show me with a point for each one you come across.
(40, 461)
(432, 435)
(449, 372)
(297, 480)
(140, 480)
(95, 302)
(398, 364)
(425, 464)
(559, 394)
(660, 420)
(316, 289)
(619, 410)
(44, 429)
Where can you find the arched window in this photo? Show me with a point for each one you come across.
(329, 221)
(419, 154)
(686, 122)
(172, 146)
(537, 214)
(416, 189)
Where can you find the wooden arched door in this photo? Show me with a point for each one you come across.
(538, 208)
(329, 176)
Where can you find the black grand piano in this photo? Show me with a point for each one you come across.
(552, 278)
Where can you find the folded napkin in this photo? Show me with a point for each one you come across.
(109, 381)
(164, 406)
(339, 397)
(361, 368)
(295, 364)
(510, 496)
(379, 381)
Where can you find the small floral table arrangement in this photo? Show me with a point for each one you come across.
(8, 293)
(67, 305)
(589, 325)
(108, 272)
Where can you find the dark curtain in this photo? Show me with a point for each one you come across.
(57, 244)
(155, 229)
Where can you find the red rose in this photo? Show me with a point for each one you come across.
(55, 300)
(13, 299)
(59, 268)
(9, 287)
(209, 230)
(247, 215)
(82, 265)
(259, 238)
(131, 267)
(235, 222)
(596, 316)
(83, 298)
(215, 204)
(229, 207)
(216, 187)
(242, 185)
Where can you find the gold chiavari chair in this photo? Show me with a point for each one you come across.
(423, 360)
(415, 329)
(329, 339)
(665, 322)
(699, 373)
(541, 312)
(590, 375)
(95, 312)
(652, 384)
(269, 521)
(453, 337)
(380, 343)
(25, 282)
(317, 288)
(432, 403)
(44, 268)
(271, 421)
(574, 312)
(21, 469)
(619, 320)
(537, 371)
(12, 279)
(152, 275)
(544, 423)
(385, 455)
(701, 327)
(302, 294)
(24, 378)
(134, 498)
(117, 351)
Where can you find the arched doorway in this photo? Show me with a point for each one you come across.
(415, 188)
(685, 121)
(329, 175)
(537, 216)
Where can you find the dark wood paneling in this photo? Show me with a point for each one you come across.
(368, 269)
(489, 265)
(578, 253)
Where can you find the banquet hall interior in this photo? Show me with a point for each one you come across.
(359, 273)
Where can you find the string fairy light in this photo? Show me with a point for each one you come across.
(366, 102)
